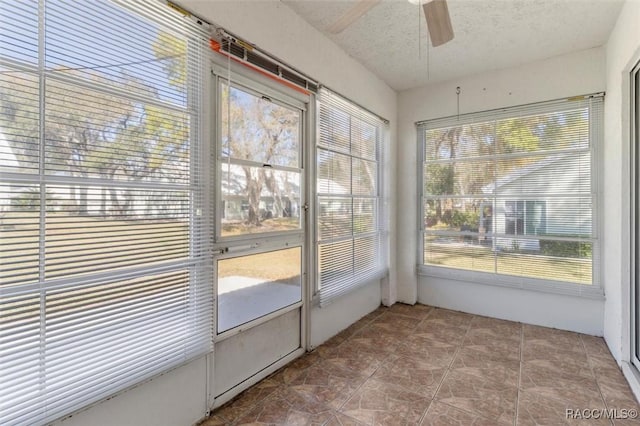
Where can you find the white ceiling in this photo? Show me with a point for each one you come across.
(390, 39)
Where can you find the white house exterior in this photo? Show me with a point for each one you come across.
(533, 200)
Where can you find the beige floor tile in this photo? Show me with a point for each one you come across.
(448, 318)
(395, 323)
(483, 364)
(552, 338)
(497, 348)
(340, 419)
(578, 391)
(440, 333)
(544, 356)
(362, 358)
(479, 395)
(242, 403)
(617, 394)
(377, 338)
(497, 327)
(417, 375)
(436, 352)
(440, 414)
(595, 346)
(379, 403)
(534, 409)
(327, 383)
(285, 407)
(214, 420)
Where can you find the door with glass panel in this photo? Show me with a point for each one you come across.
(259, 246)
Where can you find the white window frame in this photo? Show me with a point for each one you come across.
(596, 128)
(223, 71)
(381, 204)
(198, 261)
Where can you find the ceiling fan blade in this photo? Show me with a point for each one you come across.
(438, 21)
(352, 15)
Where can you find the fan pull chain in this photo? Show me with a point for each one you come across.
(458, 99)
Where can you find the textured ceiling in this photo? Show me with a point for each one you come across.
(390, 39)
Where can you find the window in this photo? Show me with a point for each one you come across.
(105, 270)
(513, 192)
(261, 228)
(260, 163)
(350, 248)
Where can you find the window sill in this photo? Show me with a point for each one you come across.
(512, 281)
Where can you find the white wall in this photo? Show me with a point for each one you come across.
(564, 76)
(623, 48)
(178, 398)
(329, 320)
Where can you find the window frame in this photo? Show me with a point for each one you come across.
(380, 203)
(197, 258)
(596, 129)
(226, 247)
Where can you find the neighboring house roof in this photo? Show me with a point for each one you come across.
(524, 171)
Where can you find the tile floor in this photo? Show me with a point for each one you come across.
(418, 365)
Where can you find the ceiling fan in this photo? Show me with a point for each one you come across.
(436, 13)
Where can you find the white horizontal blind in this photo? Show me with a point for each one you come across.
(105, 267)
(513, 191)
(350, 222)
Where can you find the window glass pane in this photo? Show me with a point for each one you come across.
(20, 346)
(469, 140)
(459, 178)
(19, 233)
(19, 30)
(459, 214)
(334, 173)
(556, 174)
(259, 130)
(335, 264)
(335, 129)
(19, 122)
(126, 323)
(365, 175)
(543, 132)
(364, 215)
(101, 228)
(258, 199)
(141, 57)
(569, 261)
(363, 139)
(456, 252)
(335, 218)
(250, 287)
(93, 134)
(368, 259)
(569, 216)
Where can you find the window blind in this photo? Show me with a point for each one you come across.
(105, 267)
(514, 192)
(350, 215)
